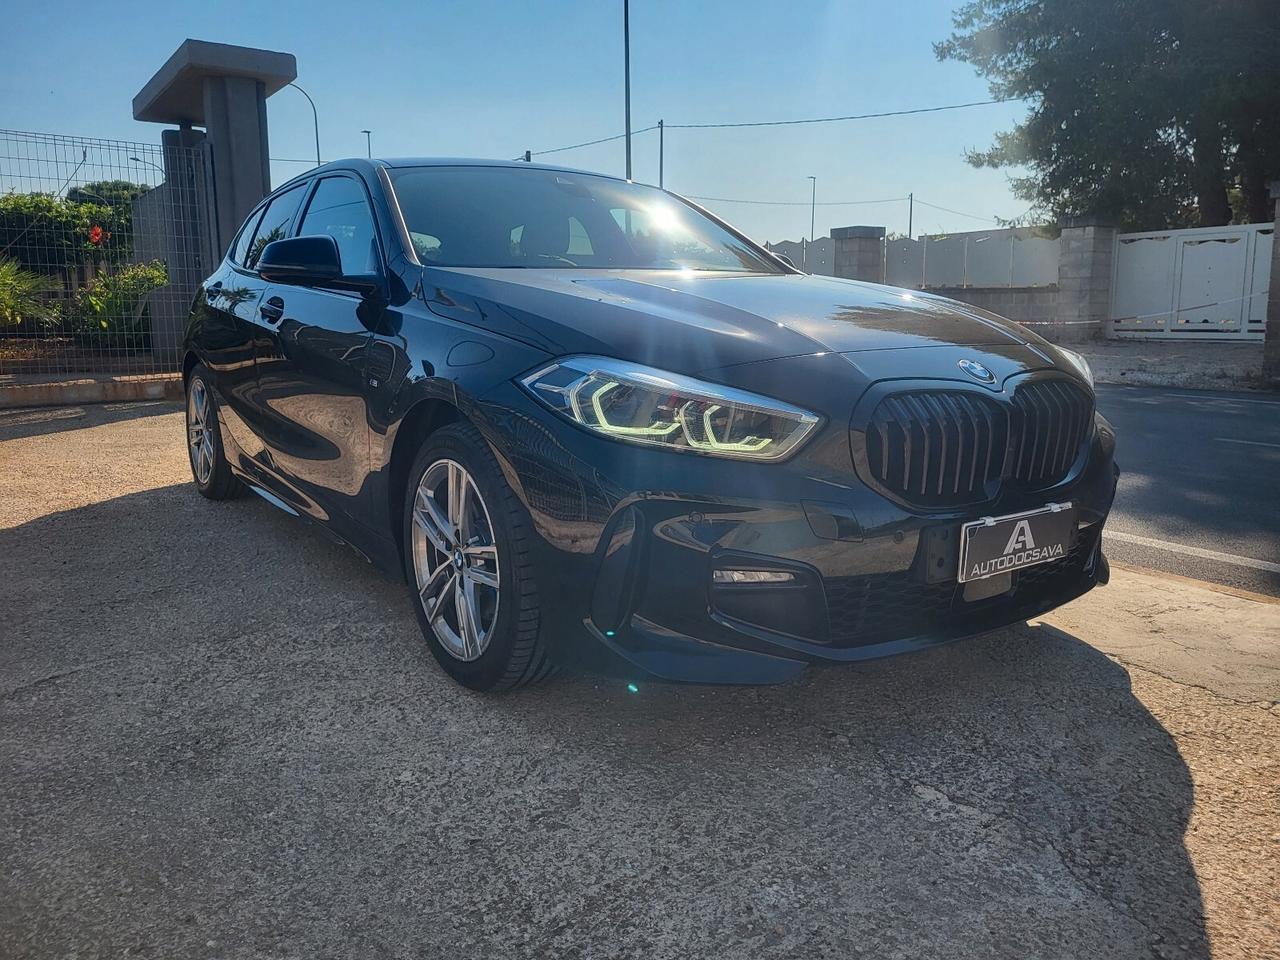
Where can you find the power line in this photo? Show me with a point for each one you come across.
(796, 203)
(587, 143)
(780, 123)
(958, 213)
(855, 116)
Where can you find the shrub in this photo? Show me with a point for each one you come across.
(46, 233)
(24, 296)
(111, 301)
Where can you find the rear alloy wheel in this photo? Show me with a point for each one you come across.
(466, 559)
(209, 466)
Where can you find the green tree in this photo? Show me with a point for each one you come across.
(112, 193)
(1147, 112)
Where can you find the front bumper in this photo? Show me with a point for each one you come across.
(627, 539)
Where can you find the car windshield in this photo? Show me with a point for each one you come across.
(526, 217)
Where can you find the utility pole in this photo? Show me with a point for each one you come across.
(813, 211)
(661, 150)
(368, 143)
(911, 212)
(626, 66)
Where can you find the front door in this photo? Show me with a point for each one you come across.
(311, 365)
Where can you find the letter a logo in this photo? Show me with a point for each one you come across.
(1020, 539)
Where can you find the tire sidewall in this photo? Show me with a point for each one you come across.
(485, 672)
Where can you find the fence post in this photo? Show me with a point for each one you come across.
(1085, 255)
(1271, 334)
(858, 253)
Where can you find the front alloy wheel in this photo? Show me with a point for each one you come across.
(455, 560)
(467, 560)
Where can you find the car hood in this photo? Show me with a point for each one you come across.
(692, 322)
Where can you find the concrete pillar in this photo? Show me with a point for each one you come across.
(859, 253)
(1271, 343)
(1086, 253)
(223, 88)
(212, 178)
(235, 112)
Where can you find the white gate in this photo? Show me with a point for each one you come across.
(1209, 283)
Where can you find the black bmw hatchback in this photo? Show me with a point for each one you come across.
(591, 424)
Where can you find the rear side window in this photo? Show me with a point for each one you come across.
(241, 249)
(275, 223)
(339, 209)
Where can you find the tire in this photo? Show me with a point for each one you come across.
(497, 647)
(209, 466)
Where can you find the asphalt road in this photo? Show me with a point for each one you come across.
(1199, 489)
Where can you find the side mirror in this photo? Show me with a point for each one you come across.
(784, 258)
(304, 261)
(312, 262)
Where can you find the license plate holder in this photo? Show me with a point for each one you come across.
(995, 545)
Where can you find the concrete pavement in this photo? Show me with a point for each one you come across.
(220, 736)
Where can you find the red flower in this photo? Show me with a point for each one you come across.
(95, 235)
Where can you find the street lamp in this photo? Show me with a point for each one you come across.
(315, 118)
(813, 210)
(154, 166)
(368, 143)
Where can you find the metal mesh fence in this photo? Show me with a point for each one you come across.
(100, 254)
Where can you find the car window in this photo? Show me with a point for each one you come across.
(489, 216)
(241, 249)
(275, 223)
(340, 209)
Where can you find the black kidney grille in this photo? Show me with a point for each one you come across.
(938, 447)
(947, 448)
(1051, 420)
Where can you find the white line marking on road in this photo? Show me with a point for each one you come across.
(1252, 443)
(1193, 551)
(1193, 398)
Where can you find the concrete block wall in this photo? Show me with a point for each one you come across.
(859, 253)
(1085, 260)
(1037, 306)
(1076, 308)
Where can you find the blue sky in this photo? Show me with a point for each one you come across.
(491, 79)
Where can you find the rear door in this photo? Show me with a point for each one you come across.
(229, 336)
(241, 296)
(311, 362)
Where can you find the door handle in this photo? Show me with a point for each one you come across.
(272, 309)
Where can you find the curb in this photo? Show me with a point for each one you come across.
(91, 390)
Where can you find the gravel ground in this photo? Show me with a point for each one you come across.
(220, 736)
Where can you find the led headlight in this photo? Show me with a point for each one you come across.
(1080, 363)
(640, 404)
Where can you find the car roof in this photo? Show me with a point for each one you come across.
(370, 166)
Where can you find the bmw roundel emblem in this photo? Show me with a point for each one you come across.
(976, 370)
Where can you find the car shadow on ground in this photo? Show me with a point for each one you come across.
(23, 422)
(222, 736)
